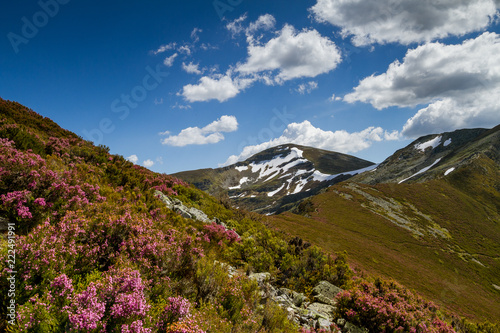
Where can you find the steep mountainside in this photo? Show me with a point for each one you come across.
(90, 242)
(436, 230)
(435, 156)
(275, 179)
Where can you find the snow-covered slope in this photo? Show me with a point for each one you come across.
(276, 178)
(434, 156)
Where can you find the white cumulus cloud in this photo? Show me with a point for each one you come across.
(169, 61)
(307, 87)
(148, 163)
(133, 158)
(460, 85)
(218, 86)
(191, 68)
(264, 22)
(306, 134)
(405, 21)
(293, 54)
(212, 133)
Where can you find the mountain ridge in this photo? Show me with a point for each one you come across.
(272, 180)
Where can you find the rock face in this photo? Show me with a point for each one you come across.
(4, 224)
(187, 212)
(325, 292)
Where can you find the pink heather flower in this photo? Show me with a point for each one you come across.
(135, 327)
(24, 212)
(179, 306)
(40, 201)
(63, 284)
(87, 311)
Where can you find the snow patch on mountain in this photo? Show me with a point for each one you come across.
(241, 168)
(278, 164)
(421, 171)
(450, 170)
(270, 194)
(431, 143)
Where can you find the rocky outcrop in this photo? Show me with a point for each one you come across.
(325, 292)
(319, 314)
(187, 212)
(3, 224)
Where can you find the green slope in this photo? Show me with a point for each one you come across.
(432, 237)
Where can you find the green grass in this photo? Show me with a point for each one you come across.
(432, 266)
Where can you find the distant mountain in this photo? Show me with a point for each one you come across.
(275, 179)
(428, 216)
(86, 222)
(435, 156)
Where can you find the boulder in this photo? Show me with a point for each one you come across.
(323, 323)
(297, 299)
(322, 310)
(350, 328)
(4, 224)
(260, 278)
(325, 292)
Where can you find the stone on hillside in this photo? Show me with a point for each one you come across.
(260, 278)
(187, 212)
(182, 212)
(297, 299)
(4, 224)
(322, 310)
(323, 323)
(166, 200)
(350, 328)
(325, 292)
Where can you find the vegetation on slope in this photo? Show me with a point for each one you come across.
(96, 250)
(431, 237)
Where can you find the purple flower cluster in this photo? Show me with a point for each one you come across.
(87, 310)
(388, 307)
(218, 233)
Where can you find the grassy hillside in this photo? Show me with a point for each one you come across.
(432, 237)
(86, 245)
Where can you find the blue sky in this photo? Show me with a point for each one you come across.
(195, 84)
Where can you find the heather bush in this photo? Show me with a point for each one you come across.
(385, 306)
(96, 251)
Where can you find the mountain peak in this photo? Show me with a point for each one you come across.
(276, 178)
(434, 156)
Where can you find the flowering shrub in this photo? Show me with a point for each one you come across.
(218, 233)
(388, 307)
(87, 310)
(96, 251)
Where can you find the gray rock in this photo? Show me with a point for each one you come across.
(187, 212)
(4, 224)
(231, 271)
(350, 328)
(296, 298)
(323, 324)
(325, 292)
(182, 212)
(261, 278)
(166, 200)
(322, 310)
